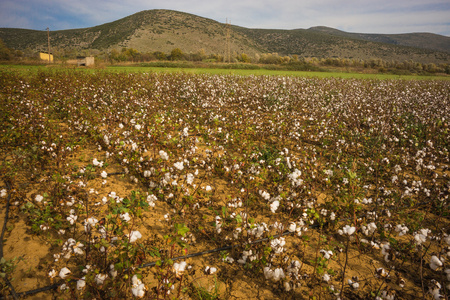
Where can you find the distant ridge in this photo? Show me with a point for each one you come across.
(418, 40)
(164, 30)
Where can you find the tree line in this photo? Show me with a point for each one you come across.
(293, 62)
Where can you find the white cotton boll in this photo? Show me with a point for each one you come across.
(81, 283)
(104, 174)
(151, 199)
(326, 277)
(401, 229)
(210, 270)
(86, 270)
(288, 162)
(348, 230)
(97, 163)
(277, 245)
(332, 216)
(326, 253)
(435, 262)
(294, 177)
(218, 224)
(264, 194)
(72, 219)
(126, 217)
(52, 273)
(229, 260)
(435, 289)
(278, 274)
(369, 229)
(385, 249)
(163, 155)
(112, 271)
(208, 188)
(100, 278)
(179, 165)
(189, 178)
(421, 236)
(89, 223)
(236, 232)
(137, 127)
(78, 248)
(354, 285)
(274, 206)
(134, 236)
(3, 193)
(147, 173)
(39, 198)
(372, 227)
(137, 288)
(179, 268)
(242, 260)
(64, 272)
(292, 226)
(268, 273)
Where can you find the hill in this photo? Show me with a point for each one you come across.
(164, 30)
(418, 40)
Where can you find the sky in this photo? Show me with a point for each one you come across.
(362, 16)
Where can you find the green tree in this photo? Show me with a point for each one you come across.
(244, 58)
(176, 54)
(199, 55)
(5, 52)
(160, 55)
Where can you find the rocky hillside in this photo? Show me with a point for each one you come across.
(164, 30)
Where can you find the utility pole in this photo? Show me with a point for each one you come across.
(48, 38)
(228, 40)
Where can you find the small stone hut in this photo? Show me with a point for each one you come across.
(85, 61)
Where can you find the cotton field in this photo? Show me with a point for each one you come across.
(182, 186)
